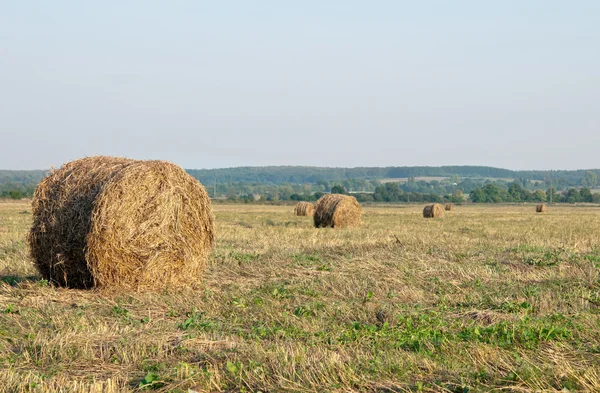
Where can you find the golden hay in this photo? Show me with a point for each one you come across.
(117, 223)
(433, 211)
(541, 208)
(304, 209)
(449, 207)
(337, 211)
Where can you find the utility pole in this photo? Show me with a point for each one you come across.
(551, 190)
(215, 190)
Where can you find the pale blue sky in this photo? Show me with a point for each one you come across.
(514, 84)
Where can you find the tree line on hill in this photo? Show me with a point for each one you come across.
(491, 193)
(312, 175)
(19, 184)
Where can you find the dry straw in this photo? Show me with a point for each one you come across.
(337, 211)
(433, 211)
(541, 208)
(449, 207)
(116, 223)
(304, 209)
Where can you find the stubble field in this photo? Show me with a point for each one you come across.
(487, 298)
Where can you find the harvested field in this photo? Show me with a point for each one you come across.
(493, 298)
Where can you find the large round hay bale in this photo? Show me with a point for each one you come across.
(117, 223)
(433, 211)
(449, 207)
(541, 208)
(337, 211)
(304, 209)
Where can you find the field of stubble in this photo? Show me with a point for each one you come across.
(487, 298)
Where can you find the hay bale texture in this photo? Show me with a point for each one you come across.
(111, 222)
(541, 208)
(433, 211)
(449, 207)
(304, 209)
(337, 211)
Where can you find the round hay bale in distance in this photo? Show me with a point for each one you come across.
(449, 207)
(433, 211)
(337, 211)
(304, 209)
(541, 208)
(116, 223)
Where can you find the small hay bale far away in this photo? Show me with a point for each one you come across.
(304, 209)
(433, 211)
(116, 223)
(337, 211)
(541, 208)
(449, 207)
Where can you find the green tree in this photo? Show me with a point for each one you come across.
(539, 196)
(493, 193)
(478, 195)
(585, 195)
(15, 194)
(454, 179)
(573, 196)
(515, 191)
(394, 191)
(457, 197)
(390, 192)
(337, 189)
(590, 179)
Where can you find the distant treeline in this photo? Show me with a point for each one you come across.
(313, 175)
(19, 184)
(492, 193)
(482, 184)
(304, 174)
